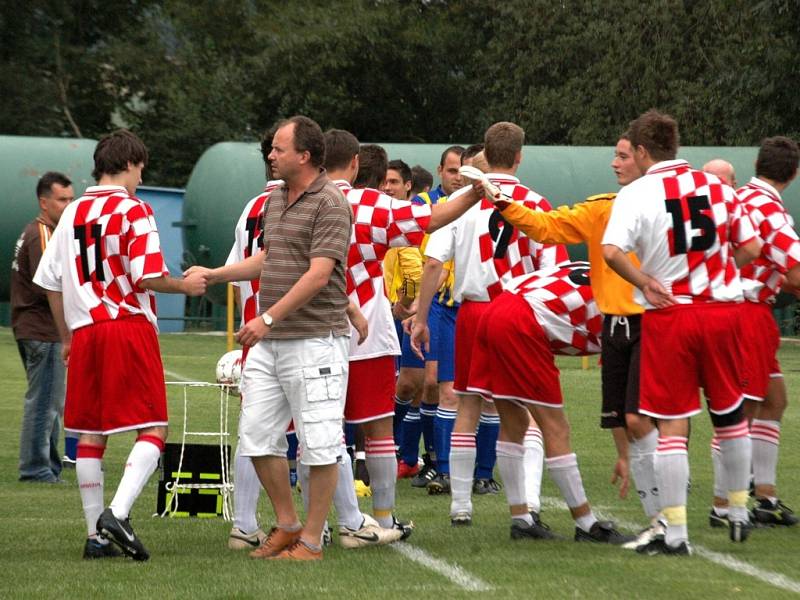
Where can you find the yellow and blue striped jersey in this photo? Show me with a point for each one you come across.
(445, 296)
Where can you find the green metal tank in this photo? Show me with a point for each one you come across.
(229, 174)
(23, 160)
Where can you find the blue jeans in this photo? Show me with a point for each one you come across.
(39, 458)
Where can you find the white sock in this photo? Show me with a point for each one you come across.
(534, 467)
(382, 467)
(564, 471)
(672, 475)
(736, 449)
(246, 490)
(89, 472)
(720, 487)
(642, 456)
(344, 497)
(304, 478)
(462, 468)
(766, 439)
(511, 464)
(142, 461)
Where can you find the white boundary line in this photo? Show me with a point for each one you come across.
(453, 572)
(177, 376)
(726, 561)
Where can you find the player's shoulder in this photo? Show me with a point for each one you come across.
(607, 197)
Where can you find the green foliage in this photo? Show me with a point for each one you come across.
(188, 74)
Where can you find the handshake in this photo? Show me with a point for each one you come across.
(196, 280)
(483, 187)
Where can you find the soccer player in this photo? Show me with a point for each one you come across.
(722, 169)
(488, 252)
(690, 232)
(634, 434)
(402, 268)
(442, 404)
(765, 391)
(100, 270)
(549, 312)
(421, 180)
(380, 222)
(245, 532)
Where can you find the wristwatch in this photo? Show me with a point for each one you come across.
(267, 319)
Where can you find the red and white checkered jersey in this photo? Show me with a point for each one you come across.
(681, 223)
(762, 278)
(249, 241)
(106, 243)
(562, 302)
(487, 250)
(380, 222)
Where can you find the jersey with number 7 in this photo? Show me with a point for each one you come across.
(682, 223)
(488, 251)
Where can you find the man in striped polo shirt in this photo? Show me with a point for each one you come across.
(297, 368)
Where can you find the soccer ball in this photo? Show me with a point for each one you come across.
(229, 369)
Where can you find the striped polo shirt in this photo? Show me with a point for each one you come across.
(317, 224)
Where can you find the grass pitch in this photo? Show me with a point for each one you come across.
(42, 527)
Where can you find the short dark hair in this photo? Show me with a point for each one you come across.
(308, 137)
(459, 150)
(266, 148)
(402, 168)
(340, 148)
(472, 151)
(657, 133)
(778, 159)
(372, 165)
(421, 179)
(45, 184)
(115, 150)
(503, 141)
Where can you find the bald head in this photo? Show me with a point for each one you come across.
(722, 169)
(478, 161)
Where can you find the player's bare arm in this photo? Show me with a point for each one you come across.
(655, 293)
(442, 214)
(56, 302)
(308, 286)
(194, 284)
(420, 336)
(245, 270)
(358, 321)
(747, 253)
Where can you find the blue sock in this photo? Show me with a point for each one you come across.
(428, 413)
(291, 456)
(485, 441)
(350, 435)
(412, 430)
(401, 407)
(70, 447)
(442, 428)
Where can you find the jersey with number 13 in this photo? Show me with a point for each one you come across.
(682, 224)
(488, 251)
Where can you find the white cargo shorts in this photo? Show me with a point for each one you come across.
(301, 380)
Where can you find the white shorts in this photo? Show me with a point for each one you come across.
(301, 380)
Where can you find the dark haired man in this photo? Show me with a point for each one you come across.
(421, 180)
(297, 367)
(778, 264)
(690, 233)
(100, 270)
(380, 223)
(37, 337)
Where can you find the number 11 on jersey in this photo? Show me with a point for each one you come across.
(84, 234)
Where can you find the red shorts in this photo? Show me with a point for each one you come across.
(469, 315)
(511, 357)
(684, 348)
(115, 379)
(760, 340)
(370, 390)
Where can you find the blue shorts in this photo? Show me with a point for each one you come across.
(407, 358)
(442, 326)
